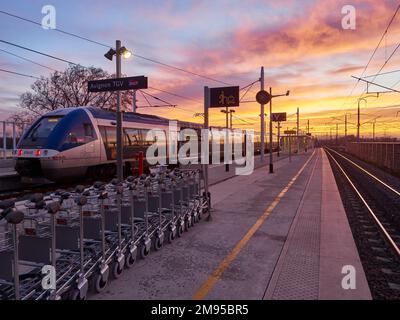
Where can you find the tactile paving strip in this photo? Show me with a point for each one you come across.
(298, 277)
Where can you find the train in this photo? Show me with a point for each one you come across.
(77, 142)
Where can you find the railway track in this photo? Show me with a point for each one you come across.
(372, 203)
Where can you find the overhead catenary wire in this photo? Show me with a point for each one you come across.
(375, 50)
(57, 58)
(156, 98)
(26, 59)
(248, 87)
(38, 52)
(19, 74)
(108, 46)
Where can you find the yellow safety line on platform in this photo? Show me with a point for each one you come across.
(216, 275)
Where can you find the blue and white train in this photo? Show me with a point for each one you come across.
(72, 143)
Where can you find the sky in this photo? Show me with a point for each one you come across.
(300, 43)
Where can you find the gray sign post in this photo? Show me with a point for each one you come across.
(205, 153)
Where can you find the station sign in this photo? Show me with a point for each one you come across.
(118, 84)
(278, 116)
(290, 132)
(224, 97)
(263, 97)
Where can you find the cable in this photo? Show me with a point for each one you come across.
(375, 50)
(176, 95)
(38, 52)
(248, 88)
(26, 59)
(381, 74)
(240, 119)
(53, 57)
(58, 30)
(19, 74)
(107, 46)
(156, 98)
(160, 90)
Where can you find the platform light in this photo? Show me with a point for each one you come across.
(110, 53)
(125, 53)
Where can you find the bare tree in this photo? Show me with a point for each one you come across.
(70, 89)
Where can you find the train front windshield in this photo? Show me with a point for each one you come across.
(39, 133)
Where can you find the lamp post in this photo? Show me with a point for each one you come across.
(118, 52)
(358, 112)
(226, 111)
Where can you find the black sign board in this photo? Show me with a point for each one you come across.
(224, 97)
(118, 84)
(278, 116)
(290, 132)
(263, 97)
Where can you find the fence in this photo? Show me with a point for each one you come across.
(9, 135)
(383, 154)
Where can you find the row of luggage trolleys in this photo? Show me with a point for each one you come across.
(92, 233)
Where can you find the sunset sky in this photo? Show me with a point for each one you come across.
(301, 44)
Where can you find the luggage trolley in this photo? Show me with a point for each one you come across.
(90, 233)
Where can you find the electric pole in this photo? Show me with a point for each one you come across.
(279, 138)
(262, 119)
(337, 137)
(298, 130)
(119, 115)
(373, 131)
(134, 101)
(271, 160)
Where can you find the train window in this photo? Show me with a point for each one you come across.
(75, 137)
(132, 137)
(89, 132)
(111, 143)
(143, 134)
(43, 128)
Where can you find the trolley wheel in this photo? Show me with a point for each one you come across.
(179, 230)
(98, 284)
(157, 244)
(144, 252)
(129, 260)
(75, 294)
(116, 270)
(171, 237)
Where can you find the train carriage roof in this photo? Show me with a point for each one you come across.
(99, 113)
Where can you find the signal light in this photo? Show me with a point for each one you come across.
(38, 153)
(20, 152)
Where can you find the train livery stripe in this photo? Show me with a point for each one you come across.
(217, 273)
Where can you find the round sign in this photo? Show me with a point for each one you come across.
(263, 97)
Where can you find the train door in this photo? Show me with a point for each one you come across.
(90, 141)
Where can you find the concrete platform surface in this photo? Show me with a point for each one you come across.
(237, 254)
(320, 247)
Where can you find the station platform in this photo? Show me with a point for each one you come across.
(272, 236)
